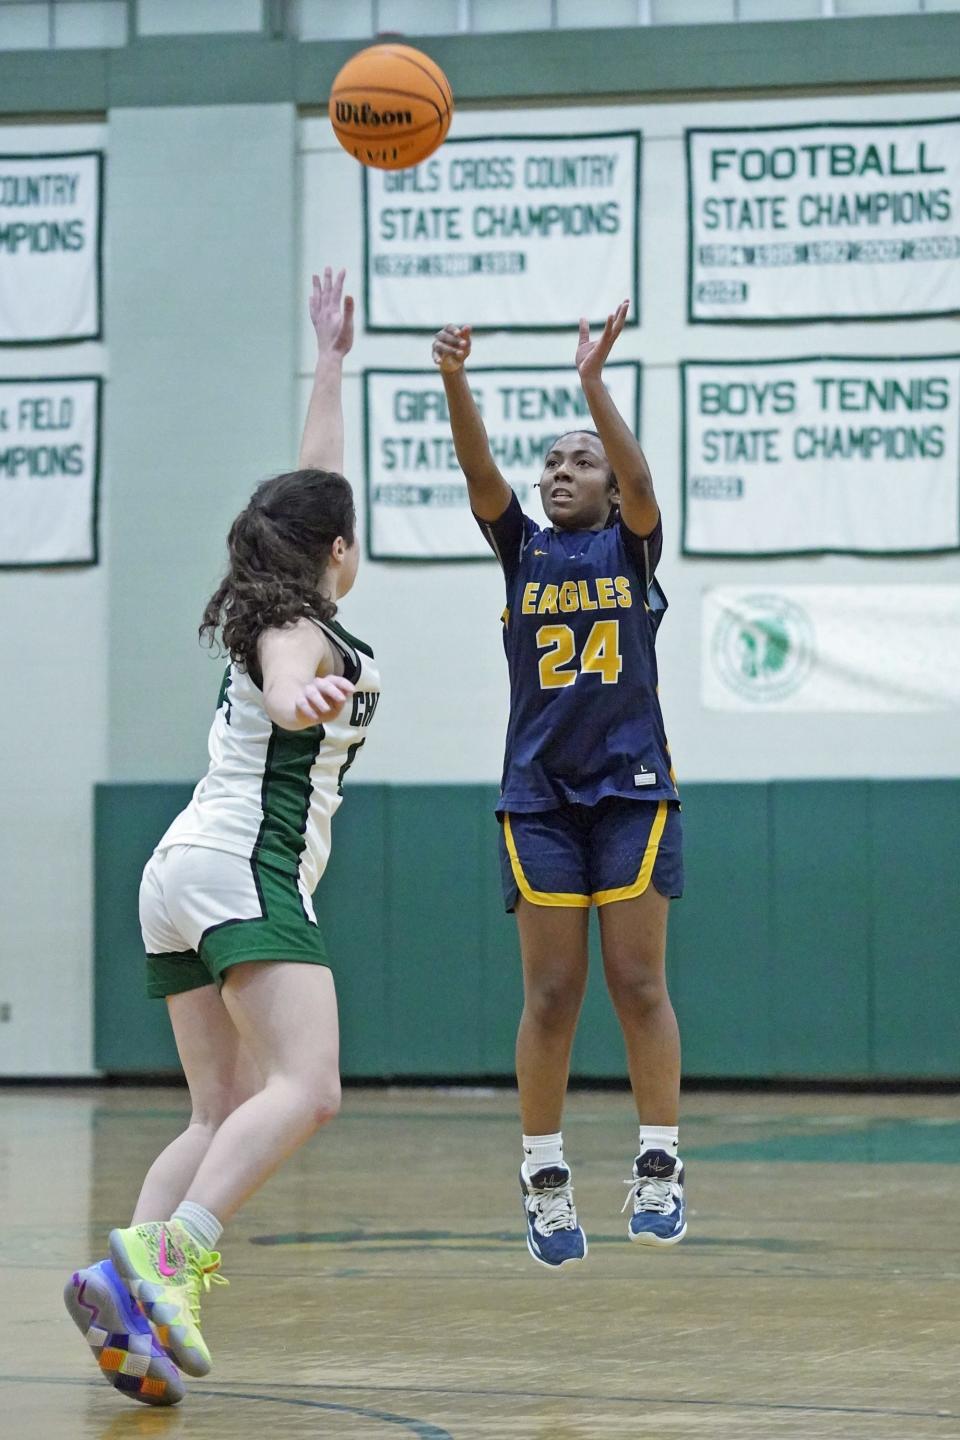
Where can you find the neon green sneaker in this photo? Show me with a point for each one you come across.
(165, 1269)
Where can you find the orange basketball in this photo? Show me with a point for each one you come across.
(391, 106)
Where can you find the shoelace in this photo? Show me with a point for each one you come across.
(553, 1209)
(202, 1276)
(648, 1194)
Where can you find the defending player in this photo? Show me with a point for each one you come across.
(228, 923)
(588, 807)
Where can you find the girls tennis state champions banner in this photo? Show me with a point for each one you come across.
(866, 648)
(829, 221)
(417, 502)
(524, 232)
(49, 248)
(855, 455)
(49, 466)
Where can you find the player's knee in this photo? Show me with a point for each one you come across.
(553, 1004)
(211, 1109)
(634, 989)
(323, 1099)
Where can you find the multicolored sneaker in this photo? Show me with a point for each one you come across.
(659, 1209)
(164, 1270)
(554, 1236)
(129, 1358)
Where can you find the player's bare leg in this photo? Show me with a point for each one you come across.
(221, 1075)
(553, 946)
(633, 938)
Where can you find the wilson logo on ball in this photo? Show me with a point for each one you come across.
(349, 114)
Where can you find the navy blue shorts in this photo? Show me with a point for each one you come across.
(581, 855)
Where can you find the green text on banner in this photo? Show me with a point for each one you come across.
(824, 221)
(49, 471)
(523, 232)
(417, 502)
(50, 236)
(852, 455)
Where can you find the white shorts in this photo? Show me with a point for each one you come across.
(203, 910)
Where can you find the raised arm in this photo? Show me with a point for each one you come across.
(638, 503)
(332, 315)
(489, 492)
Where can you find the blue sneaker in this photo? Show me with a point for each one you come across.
(115, 1329)
(659, 1209)
(554, 1236)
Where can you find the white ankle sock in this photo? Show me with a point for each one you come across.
(199, 1223)
(659, 1137)
(542, 1150)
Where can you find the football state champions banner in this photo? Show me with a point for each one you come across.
(49, 471)
(827, 454)
(50, 248)
(417, 502)
(524, 232)
(865, 648)
(826, 221)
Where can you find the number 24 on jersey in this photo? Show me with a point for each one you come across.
(600, 655)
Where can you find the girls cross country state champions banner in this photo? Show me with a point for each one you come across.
(50, 248)
(514, 232)
(417, 502)
(853, 455)
(49, 470)
(824, 221)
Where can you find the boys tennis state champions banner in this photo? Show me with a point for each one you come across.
(49, 470)
(850, 455)
(50, 248)
(417, 502)
(824, 221)
(524, 232)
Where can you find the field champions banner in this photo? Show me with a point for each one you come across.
(828, 454)
(417, 503)
(49, 470)
(866, 648)
(525, 232)
(50, 248)
(827, 221)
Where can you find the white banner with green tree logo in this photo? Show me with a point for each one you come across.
(516, 232)
(865, 648)
(417, 502)
(824, 221)
(851, 455)
(50, 248)
(49, 471)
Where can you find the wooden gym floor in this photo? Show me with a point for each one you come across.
(380, 1285)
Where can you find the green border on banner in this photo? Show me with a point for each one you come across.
(636, 135)
(97, 334)
(794, 554)
(797, 319)
(97, 382)
(635, 365)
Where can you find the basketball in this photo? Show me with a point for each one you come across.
(391, 106)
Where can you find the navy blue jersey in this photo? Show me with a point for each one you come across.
(582, 614)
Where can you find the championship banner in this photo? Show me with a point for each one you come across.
(417, 502)
(513, 232)
(50, 248)
(850, 455)
(49, 471)
(824, 222)
(872, 649)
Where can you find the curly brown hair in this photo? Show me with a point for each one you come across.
(278, 550)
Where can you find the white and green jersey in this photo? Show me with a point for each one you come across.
(270, 794)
